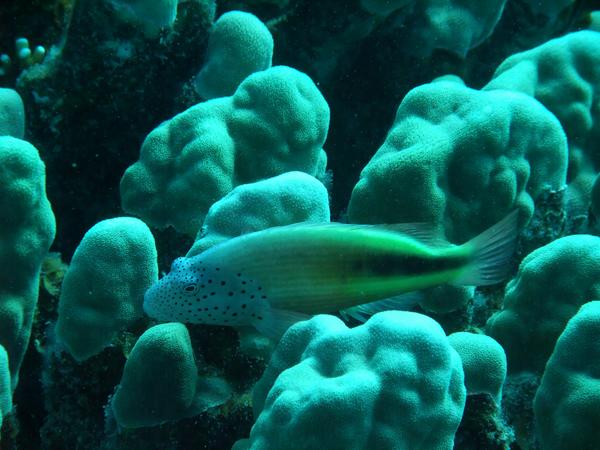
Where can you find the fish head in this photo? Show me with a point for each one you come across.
(180, 285)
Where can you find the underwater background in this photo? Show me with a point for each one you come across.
(136, 132)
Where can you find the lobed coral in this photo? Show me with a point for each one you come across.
(5, 386)
(461, 159)
(281, 200)
(484, 363)
(150, 16)
(103, 289)
(563, 75)
(482, 139)
(542, 298)
(239, 45)
(26, 233)
(12, 114)
(567, 401)
(394, 382)
(160, 381)
(275, 122)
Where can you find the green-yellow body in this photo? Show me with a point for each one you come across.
(323, 268)
(272, 278)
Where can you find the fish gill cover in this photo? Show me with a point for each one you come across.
(235, 193)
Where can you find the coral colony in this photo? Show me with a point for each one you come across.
(299, 225)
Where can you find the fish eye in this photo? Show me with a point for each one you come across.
(190, 287)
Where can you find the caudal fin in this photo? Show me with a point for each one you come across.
(492, 252)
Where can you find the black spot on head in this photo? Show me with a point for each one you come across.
(222, 283)
(230, 294)
(215, 308)
(243, 306)
(234, 314)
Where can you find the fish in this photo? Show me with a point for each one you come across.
(272, 278)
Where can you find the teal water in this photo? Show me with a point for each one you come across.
(136, 132)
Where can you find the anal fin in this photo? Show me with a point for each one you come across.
(402, 302)
(273, 323)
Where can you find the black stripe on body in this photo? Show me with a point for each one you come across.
(393, 264)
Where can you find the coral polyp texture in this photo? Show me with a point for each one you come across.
(275, 122)
(149, 15)
(564, 75)
(26, 232)
(239, 45)
(299, 225)
(453, 25)
(394, 382)
(550, 286)
(5, 385)
(103, 289)
(461, 159)
(568, 399)
(484, 363)
(282, 200)
(161, 383)
(12, 114)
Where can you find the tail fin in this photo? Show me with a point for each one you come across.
(492, 251)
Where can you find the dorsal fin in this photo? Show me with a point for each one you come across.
(424, 232)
